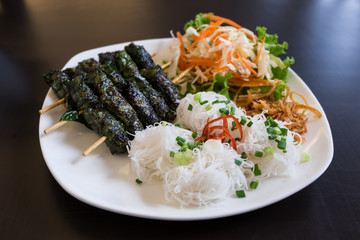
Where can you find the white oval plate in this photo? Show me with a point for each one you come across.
(105, 181)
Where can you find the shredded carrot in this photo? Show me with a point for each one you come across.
(219, 69)
(206, 32)
(247, 65)
(194, 60)
(182, 51)
(228, 21)
(262, 45)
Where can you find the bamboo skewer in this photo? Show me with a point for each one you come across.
(51, 106)
(181, 75)
(94, 146)
(54, 127)
(166, 64)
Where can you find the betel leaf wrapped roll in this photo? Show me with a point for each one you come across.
(80, 93)
(55, 79)
(140, 56)
(88, 65)
(112, 99)
(130, 71)
(109, 69)
(106, 125)
(141, 105)
(126, 66)
(106, 57)
(159, 80)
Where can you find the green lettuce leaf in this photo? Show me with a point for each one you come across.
(200, 20)
(282, 73)
(220, 84)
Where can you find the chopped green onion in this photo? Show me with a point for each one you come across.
(269, 150)
(204, 102)
(138, 181)
(272, 136)
(237, 162)
(267, 123)
(305, 157)
(256, 170)
(194, 135)
(237, 139)
(163, 124)
(243, 120)
(191, 146)
(178, 138)
(208, 107)
(184, 147)
(249, 124)
(244, 155)
(178, 125)
(224, 111)
(190, 107)
(258, 154)
(227, 102)
(183, 158)
(253, 185)
(232, 111)
(240, 193)
(281, 145)
(277, 131)
(233, 126)
(284, 131)
(270, 129)
(198, 143)
(197, 97)
(218, 101)
(172, 153)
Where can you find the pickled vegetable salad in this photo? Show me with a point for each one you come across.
(248, 60)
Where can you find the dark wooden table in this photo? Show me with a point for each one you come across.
(38, 35)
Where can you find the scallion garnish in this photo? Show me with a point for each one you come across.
(269, 150)
(197, 97)
(244, 155)
(237, 162)
(281, 145)
(254, 185)
(172, 153)
(243, 120)
(284, 131)
(272, 136)
(204, 102)
(240, 193)
(304, 157)
(270, 129)
(250, 123)
(256, 170)
(258, 154)
(224, 111)
(138, 181)
(233, 127)
(178, 125)
(194, 135)
(190, 107)
(208, 107)
(232, 111)
(277, 131)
